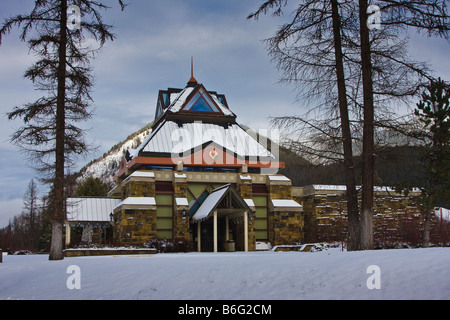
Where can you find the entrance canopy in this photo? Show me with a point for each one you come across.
(226, 200)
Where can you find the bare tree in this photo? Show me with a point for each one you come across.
(426, 15)
(326, 54)
(368, 130)
(50, 136)
(309, 51)
(31, 207)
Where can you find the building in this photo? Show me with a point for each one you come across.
(201, 177)
(93, 215)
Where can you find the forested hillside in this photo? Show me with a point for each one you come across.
(399, 165)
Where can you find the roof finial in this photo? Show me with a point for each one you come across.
(192, 80)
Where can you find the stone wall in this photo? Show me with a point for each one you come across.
(287, 228)
(135, 226)
(181, 225)
(396, 217)
(106, 252)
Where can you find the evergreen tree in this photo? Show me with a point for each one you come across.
(57, 34)
(91, 187)
(433, 111)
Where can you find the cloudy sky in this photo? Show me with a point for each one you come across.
(155, 41)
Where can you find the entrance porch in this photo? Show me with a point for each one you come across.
(222, 217)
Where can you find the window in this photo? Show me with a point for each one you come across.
(201, 102)
(158, 110)
(221, 98)
(166, 98)
(164, 213)
(261, 211)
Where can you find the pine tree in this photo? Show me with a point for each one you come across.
(56, 33)
(433, 111)
(91, 187)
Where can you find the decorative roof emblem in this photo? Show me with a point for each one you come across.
(213, 154)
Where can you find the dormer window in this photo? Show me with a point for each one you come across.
(201, 102)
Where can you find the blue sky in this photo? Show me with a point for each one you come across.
(155, 41)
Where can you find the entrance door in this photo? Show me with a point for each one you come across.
(207, 236)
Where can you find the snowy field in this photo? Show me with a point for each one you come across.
(332, 274)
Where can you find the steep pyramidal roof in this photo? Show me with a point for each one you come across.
(192, 99)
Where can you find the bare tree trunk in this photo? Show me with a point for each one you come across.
(56, 249)
(368, 133)
(426, 230)
(352, 197)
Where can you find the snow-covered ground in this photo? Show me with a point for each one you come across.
(331, 274)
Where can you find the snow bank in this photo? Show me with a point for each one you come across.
(330, 274)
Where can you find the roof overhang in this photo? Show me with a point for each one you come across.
(198, 159)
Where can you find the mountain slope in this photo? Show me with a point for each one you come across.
(106, 166)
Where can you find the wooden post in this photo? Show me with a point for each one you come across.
(245, 231)
(199, 236)
(67, 233)
(1, 255)
(227, 229)
(215, 230)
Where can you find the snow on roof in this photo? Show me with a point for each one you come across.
(222, 108)
(343, 188)
(90, 209)
(181, 201)
(179, 99)
(279, 178)
(210, 203)
(329, 187)
(143, 174)
(170, 137)
(145, 201)
(286, 204)
(250, 203)
(442, 213)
